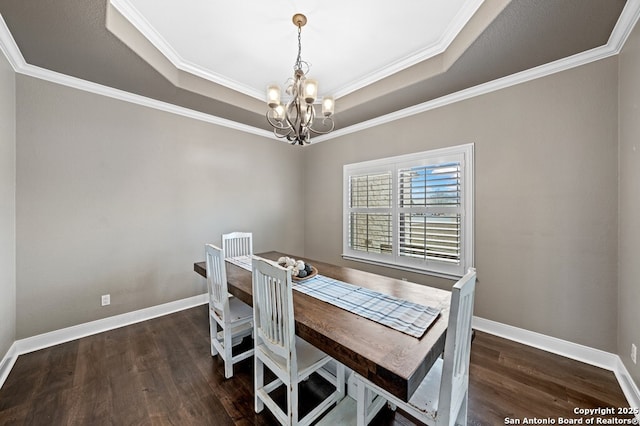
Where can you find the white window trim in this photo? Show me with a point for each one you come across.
(464, 153)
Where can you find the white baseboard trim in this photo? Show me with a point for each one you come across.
(56, 337)
(565, 348)
(630, 389)
(554, 345)
(586, 354)
(7, 363)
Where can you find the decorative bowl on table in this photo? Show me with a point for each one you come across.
(300, 271)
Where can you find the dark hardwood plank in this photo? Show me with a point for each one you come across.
(160, 372)
(508, 379)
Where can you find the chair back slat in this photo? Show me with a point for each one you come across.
(273, 307)
(237, 244)
(216, 279)
(457, 351)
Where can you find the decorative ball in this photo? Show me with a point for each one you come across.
(281, 260)
(302, 273)
(300, 265)
(308, 268)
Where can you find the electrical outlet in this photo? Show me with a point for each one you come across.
(105, 299)
(634, 353)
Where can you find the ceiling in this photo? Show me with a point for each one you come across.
(348, 45)
(375, 57)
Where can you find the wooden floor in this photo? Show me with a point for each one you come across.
(160, 372)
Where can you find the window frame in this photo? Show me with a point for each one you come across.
(460, 153)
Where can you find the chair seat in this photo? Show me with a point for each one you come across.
(425, 398)
(237, 333)
(308, 356)
(239, 310)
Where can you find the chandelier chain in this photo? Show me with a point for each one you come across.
(299, 58)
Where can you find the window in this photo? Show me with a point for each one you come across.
(413, 212)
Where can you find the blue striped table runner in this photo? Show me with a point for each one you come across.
(402, 315)
(242, 261)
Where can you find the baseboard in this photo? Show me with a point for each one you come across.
(554, 345)
(588, 355)
(56, 337)
(630, 389)
(7, 363)
(567, 349)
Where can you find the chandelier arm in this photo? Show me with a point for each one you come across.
(311, 115)
(295, 125)
(280, 135)
(277, 125)
(324, 132)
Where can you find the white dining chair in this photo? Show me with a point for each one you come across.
(230, 320)
(236, 244)
(277, 347)
(441, 398)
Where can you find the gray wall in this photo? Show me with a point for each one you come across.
(7, 206)
(117, 198)
(629, 202)
(546, 197)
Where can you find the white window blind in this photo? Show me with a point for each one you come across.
(413, 212)
(430, 212)
(370, 221)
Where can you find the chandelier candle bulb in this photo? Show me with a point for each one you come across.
(310, 91)
(278, 112)
(273, 96)
(327, 106)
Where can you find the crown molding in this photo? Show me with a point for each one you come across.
(624, 26)
(129, 12)
(20, 66)
(9, 47)
(143, 26)
(628, 19)
(481, 89)
(440, 46)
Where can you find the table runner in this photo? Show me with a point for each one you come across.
(242, 261)
(402, 315)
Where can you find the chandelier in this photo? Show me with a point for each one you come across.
(296, 120)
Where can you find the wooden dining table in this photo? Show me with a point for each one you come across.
(389, 358)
